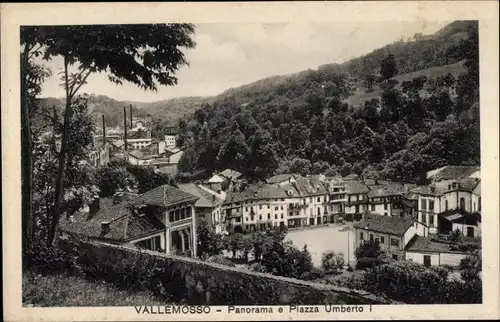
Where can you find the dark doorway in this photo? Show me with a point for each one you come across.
(311, 221)
(427, 260)
(318, 220)
(470, 231)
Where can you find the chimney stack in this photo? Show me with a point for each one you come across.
(131, 125)
(103, 130)
(125, 126)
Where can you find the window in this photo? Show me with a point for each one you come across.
(319, 199)
(268, 207)
(246, 218)
(246, 208)
(423, 204)
(260, 217)
(462, 203)
(385, 206)
(373, 207)
(446, 205)
(281, 216)
(281, 207)
(276, 208)
(431, 205)
(260, 206)
(268, 216)
(275, 216)
(238, 219)
(371, 237)
(382, 239)
(385, 214)
(361, 236)
(349, 199)
(394, 256)
(431, 220)
(394, 242)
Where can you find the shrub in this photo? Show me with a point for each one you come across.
(332, 263)
(367, 262)
(45, 260)
(257, 267)
(313, 274)
(368, 249)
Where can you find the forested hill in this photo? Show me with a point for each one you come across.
(364, 117)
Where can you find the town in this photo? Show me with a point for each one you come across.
(354, 183)
(411, 222)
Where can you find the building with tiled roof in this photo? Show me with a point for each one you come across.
(281, 178)
(162, 219)
(454, 172)
(392, 199)
(432, 252)
(208, 205)
(230, 174)
(392, 233)
(444, 195)
(356, 198)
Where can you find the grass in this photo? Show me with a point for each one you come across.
(361, 95)
(62, 290)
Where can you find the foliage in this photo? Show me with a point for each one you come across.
(208, 242)
(388, 67)
(368, 249)
(471, 267)
(332, 263)
(367, 262)
(220, 259)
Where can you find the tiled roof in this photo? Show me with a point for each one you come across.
(123, 224)
(426, 244)
(311, 186)
(468, 184)
(216, 179)
(356, 187)
(230, 174)
(257, 191)
(280, 178)
(373, 182)
(118, 143)
(139, 155)
(454, 172)
(206, 199)
(386, 224)
(389, 189)
(169, 169)
(165, 196)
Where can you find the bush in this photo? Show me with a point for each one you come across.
(332, 263)
(367, 262)
(257, 267)
(43, 260)
(313, 274)
(368, 249)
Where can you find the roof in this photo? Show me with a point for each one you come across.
(172, 150)
(461, 216)
(216, 179)
(118, 143)
(279, 178)
(123, 224)
(386, 224)
(138, 134)
(310, 186)
(230, 174)
(168, 169)
(426, 244)
(453, 172)
(140, 155)
(389, 189)
(206, 199)
(257, 191)
(356, 187)
(165, 196)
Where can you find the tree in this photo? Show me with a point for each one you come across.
(110, 178)
(471, 267)
(369, 81)
(388, 67)
(368, 249)
(208, 242)
(332, 263)
(145, 55)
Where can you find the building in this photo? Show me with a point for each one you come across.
(208, 206)
(356, 199)
(138, 138)
(432, 252)
(469, 224)
(391, 199)
(292, 202)
(162, 219)
(173, 154)
(392, 233)
(442, 196)
(453, 172)
(99, 157)
(281, 179)
(140, 158)
(216, 182)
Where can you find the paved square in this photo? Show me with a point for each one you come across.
(321, 239)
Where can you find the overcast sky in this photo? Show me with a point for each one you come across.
(229, 55)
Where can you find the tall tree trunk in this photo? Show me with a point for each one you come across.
(55, 213)
(26, 158)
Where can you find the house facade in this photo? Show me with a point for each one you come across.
(356, 199)
(392, 233)
(391, 199)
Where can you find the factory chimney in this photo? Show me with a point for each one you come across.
(125, 126)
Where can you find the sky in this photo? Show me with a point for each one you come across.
(229, 55)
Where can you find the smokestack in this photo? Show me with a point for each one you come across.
(131, 126)
(125, 126)
(103, 130)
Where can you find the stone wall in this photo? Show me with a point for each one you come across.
(195, 282)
